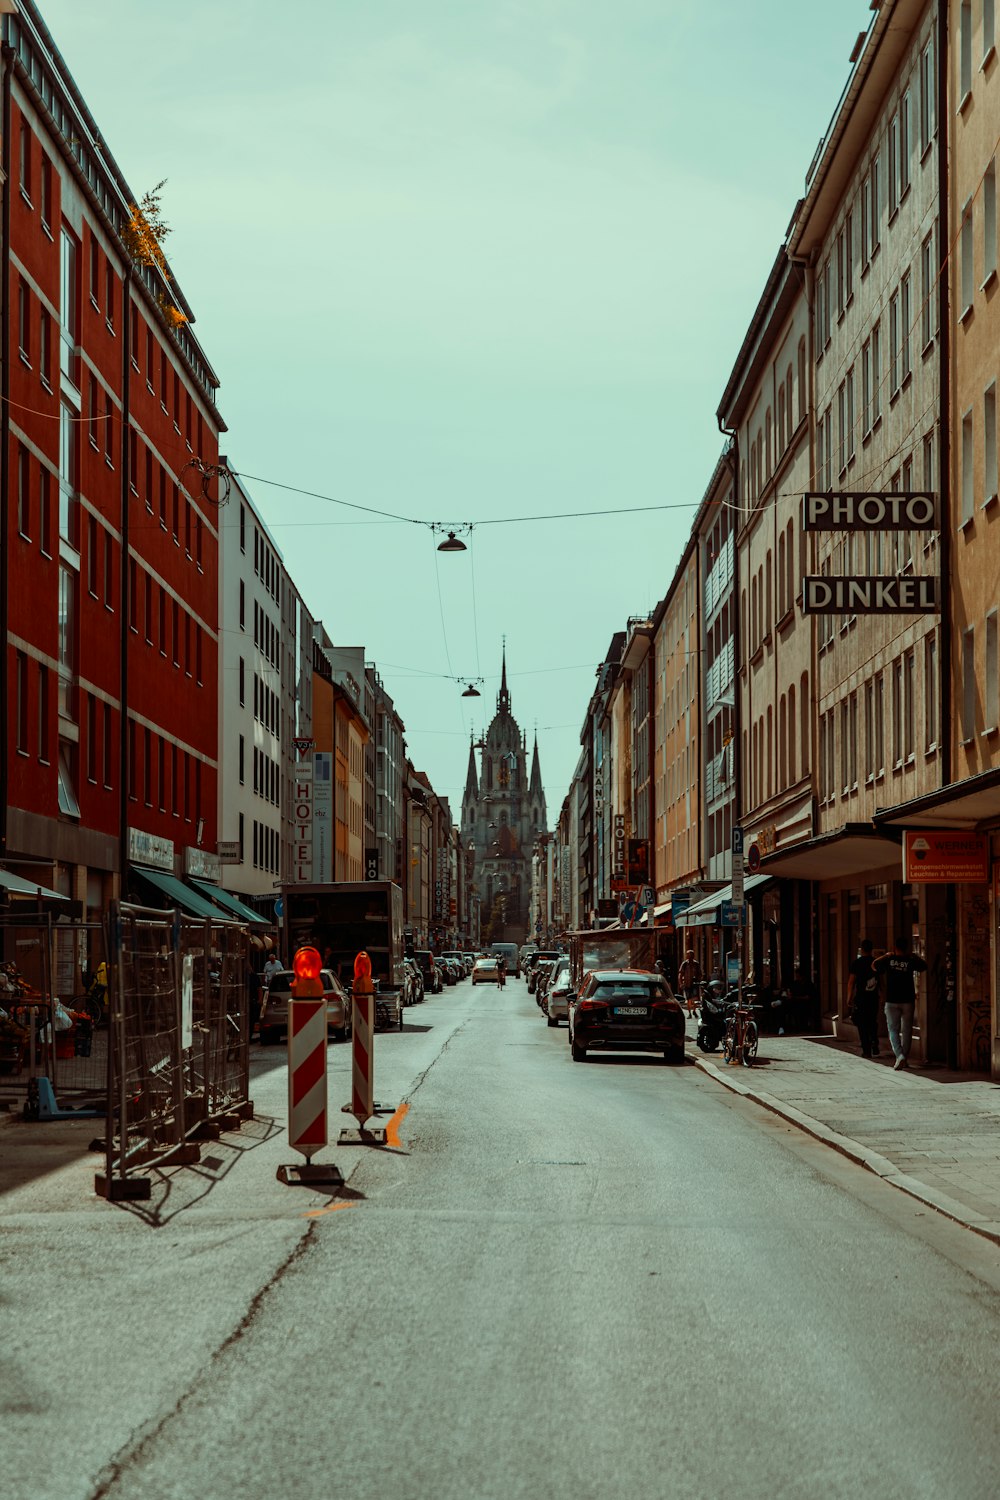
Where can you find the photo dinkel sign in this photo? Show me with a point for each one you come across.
(870, 511)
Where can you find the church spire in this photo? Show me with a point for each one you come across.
(471, 779)
(503, 697)
(535, 786)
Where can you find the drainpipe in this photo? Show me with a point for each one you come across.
(8, 65)
(124, 590)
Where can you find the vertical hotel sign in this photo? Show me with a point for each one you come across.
(322, 816)
(302, 813)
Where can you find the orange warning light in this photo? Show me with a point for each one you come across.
(307, 965)
(362, 966)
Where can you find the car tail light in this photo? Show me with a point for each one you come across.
(593, 1004)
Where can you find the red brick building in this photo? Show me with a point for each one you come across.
(109, 575)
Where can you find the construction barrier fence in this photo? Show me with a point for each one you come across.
(180, 1063)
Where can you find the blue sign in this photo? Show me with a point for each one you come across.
(737, 840)
(732, 969)
(732, 914)
(279, 908)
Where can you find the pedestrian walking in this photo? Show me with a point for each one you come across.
(862, 998)
(900, 968)
(689, 979)
(501, 972)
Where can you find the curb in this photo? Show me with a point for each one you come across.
(872, 1161)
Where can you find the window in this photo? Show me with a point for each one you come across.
(841, 275)
(46, 193)
(866, 388)
(107, 746)
(893, 155)
(801, 410)
(109, 294)
(91, 770)
(989, 28)
(967, 261)
(163, 621)
(25, 159)
(828, 442)
(904, 145)
(109, 431)
(968, 493)
(92, 555)
(909, 704)
(964, 51)
(879, 725)
(866, 195)
(927, 291)
(44, 746)
(243, 605)
(897, 712)
(95, 270)
(852, 742)
(850, 413)
(849, 258)
(869, 731)
(968, 685)
(45, 511)
(24, 492)
(990, 444)
(243, 527)
(24, 320)
(904, 330)
(992, 695)
(929, 462)
(243, 683)
(893, 344)
(928, 93)
(45, 349)
(148, 609)
(876, 373)
(841, 428)
(990, 221)
(21, 709)
(876, 206)
(242, 759)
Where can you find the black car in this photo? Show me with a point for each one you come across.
(629, 1010)
(424, 960)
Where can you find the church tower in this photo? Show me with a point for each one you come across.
(503, 812)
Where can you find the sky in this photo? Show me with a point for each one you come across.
(469, 262)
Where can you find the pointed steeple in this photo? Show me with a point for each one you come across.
(471, 779)
(535, 785)
(503, 697)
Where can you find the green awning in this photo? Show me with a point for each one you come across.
(177, 893)
(26, 890)
(231, 905)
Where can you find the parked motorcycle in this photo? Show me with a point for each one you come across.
(716, 1004)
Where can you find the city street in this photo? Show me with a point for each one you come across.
(606, 1279)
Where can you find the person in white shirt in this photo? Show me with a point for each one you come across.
(272, 967)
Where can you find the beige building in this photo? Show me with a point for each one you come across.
(677, 739)
(766, 405)
(867, 232)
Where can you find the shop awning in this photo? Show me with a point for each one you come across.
(230, 904)
(177, 893)
(24, 890)
(705, 913)
(855, 849)
(969, 804)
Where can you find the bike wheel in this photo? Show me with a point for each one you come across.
(729, 1042)
(750, 1040)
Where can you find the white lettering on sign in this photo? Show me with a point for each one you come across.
(869, 596)
(907, 511)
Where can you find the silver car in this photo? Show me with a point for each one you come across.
(274, 1011)
(558, 994)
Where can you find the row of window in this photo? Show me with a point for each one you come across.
(45, 176)
(860, 235)
(163, 775)
(769, 443)
(266, 703)
(840, 744)
(166, 624)
(762, 775)
(266, 636)
(266, 846)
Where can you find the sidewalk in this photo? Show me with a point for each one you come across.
(932, 1133)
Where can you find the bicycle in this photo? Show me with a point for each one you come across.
(742, 1035)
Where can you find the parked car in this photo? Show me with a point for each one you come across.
(559, 997)
(458, 957)
(484, 971)
(538, 956)
(628, 1009)
(449, 970)
(470, 959)
(414, 991)
(429, 969)
(558, 968)
(274, 1010)
(540, 974)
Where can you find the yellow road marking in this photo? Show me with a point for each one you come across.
(315, 1213)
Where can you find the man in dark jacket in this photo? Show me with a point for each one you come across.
(862, 999)
(900, 968)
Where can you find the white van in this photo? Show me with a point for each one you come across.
(508, 951)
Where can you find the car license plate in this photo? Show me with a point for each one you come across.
(631, 1010)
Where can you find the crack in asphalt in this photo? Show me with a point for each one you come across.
(132, 1452)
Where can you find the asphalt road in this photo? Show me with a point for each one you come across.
(610, 1279)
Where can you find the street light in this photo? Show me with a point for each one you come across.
(471, 691)
(451, 543)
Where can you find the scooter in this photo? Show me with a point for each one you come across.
(716, 1004)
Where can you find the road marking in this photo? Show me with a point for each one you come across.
(392, 1128)
(316, 1213)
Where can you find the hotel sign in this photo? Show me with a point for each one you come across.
(870, 596)
(911, 510)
